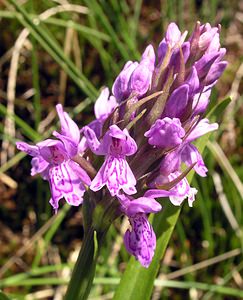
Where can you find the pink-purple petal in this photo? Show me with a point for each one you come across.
(143, 205)
(202, 128)
(177, 103)
(141, 240)
(31, 150)
(104, 105)
(65, 182)
(191, 155)
(68, 127)
(165, 133)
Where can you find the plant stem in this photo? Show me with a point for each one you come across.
(84, 270)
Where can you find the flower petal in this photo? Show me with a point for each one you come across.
(32, 150)
(116, 174)
(92, 141)
(39, 166)
(70, 146)
(141, 241)
(157, 193)
(104, 105)
(52, 151)
(190, 155)
(165, 133)
(120, 86)
(68, 127)
(202, 128)
(143, 205)
(64, 182)
(177, 103)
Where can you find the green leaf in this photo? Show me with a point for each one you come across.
(223, 290)
(27, 129)
(3, 296)
(83, 273)
(97, 10)
(218, 109)
(49, 234)
(53, 48)
(137, 282)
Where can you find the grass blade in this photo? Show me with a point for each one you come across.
(137, 282)
(97, 9)
(27, 129)
(52, 47)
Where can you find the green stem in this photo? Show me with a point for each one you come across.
(84, 270)
(97, 220)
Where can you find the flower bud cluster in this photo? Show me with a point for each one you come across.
(142, 135)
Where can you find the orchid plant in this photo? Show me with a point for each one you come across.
(139, 147)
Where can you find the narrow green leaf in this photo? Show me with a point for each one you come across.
(97, 9)
(36, 85)
(218, 109)
(84, 30)
(18, 278)
(40, 281)
(12, 161)
(224, 290)
(135, 21)
(218, 289)
(201, 286)
(27, 129)
(3, 296)
(137, 282)
(52, 47)
(83, 273)
(50, 233)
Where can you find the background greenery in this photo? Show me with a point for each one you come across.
(75, 47)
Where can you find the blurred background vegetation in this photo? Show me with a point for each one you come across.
(69, 51)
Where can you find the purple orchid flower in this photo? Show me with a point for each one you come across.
(205, 38)
(185, 72)
(177, 103)
(202, 127)
(141, 77)
(140, 241)
(165, 133)
(52, 160)
(66, 178)
(115, 173)
(104, 106)
(188, 153)
(208, 35)
(177, 194)
(120, 87)
(173, 40)
(171, 164)
(70, 134)
(39, 164)
(182, 191)
(193, 81)
(135, 78)
(200, 101)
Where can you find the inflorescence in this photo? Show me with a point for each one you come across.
(133, 152)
